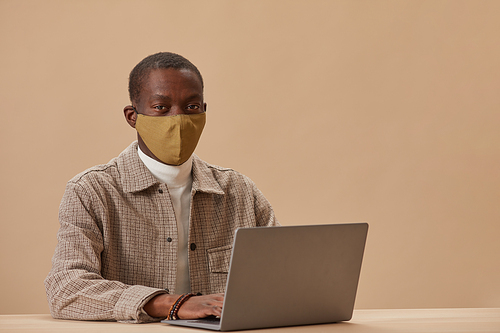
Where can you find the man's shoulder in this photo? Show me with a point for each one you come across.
(98, 171)
(226, 178)
(104, 172)
(216, 170)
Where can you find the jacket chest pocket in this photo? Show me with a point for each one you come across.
(218, 264)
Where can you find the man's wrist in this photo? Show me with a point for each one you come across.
(159, 305)
(174, 309)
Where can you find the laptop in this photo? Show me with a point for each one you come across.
(288, 276)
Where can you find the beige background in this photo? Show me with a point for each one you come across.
(378, 111)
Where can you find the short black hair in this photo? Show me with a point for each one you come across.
(155, 61)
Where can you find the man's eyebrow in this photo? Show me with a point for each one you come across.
(160, 96)
(194, 96)
(190, 97)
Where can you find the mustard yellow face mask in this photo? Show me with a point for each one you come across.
(172, 139)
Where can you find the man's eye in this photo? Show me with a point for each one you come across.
(159, 107)
(193, 107)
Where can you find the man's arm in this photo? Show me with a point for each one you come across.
(264, 213)
(194, 307)
(76, 288)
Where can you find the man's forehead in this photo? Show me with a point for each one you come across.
(162, 82)
(172, 74)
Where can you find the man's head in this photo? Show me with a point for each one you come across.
(161, 86)
(161, 60)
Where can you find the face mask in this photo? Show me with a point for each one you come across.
(172, 139)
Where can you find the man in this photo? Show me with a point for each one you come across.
(149, 234)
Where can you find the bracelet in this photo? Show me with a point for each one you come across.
(174, 309)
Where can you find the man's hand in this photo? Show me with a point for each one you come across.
(195, 307)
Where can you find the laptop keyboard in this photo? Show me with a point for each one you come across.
(208, 320)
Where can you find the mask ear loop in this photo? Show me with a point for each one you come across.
(133, 107)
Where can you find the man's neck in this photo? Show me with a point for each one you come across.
(172, 175)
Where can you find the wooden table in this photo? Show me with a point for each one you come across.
(366, 321)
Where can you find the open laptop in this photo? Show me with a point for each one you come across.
(290, 275)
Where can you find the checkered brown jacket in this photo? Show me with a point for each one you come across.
(117, 242)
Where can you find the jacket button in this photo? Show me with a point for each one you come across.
(160, 190)
(169, 239)
(192, 246)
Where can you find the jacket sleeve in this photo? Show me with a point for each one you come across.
(75, 287)
(264, 213)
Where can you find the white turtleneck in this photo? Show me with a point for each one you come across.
(179, 182)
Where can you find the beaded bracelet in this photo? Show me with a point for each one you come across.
(174, 309)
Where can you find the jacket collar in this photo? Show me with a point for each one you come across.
(203, 177)
(136, 177)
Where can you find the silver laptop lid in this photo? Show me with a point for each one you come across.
(293, 275)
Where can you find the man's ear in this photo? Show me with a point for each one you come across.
(130, 115)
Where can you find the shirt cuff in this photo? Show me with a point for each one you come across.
(130, 306)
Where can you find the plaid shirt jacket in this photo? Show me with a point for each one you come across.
(117, 242)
